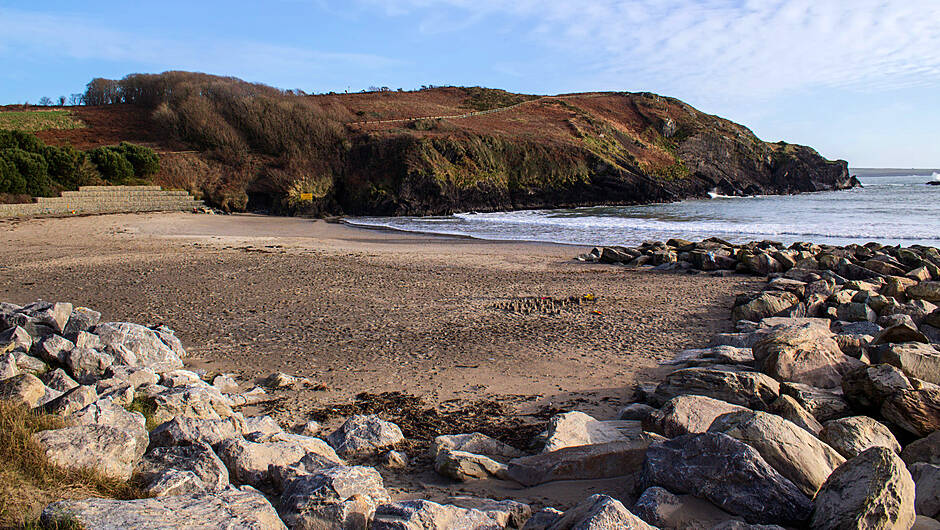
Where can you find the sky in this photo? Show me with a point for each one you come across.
(856, 79)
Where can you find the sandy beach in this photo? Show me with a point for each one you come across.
(372, 311)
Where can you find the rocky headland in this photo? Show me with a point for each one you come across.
(821, 410)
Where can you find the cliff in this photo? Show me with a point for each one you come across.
(441, 150)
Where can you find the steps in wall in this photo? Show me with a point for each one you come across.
(105, 199)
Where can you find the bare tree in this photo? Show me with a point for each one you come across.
(45, 101)
(61, 101)
(75, 99)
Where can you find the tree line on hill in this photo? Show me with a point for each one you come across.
(30, 167)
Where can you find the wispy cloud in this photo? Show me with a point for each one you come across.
(37, 36)
(753, 47)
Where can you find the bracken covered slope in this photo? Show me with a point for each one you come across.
(433, 152)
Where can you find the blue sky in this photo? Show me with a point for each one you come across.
(856, 79)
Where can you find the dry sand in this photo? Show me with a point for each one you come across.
(374, 311)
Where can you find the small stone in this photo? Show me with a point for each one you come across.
(463, 466)
(395, 460)
(311, 428)
(635, 412)
(225, 384)
(362, 435)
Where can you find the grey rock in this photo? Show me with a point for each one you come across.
(476, 443)
(866, 388)
(926, 450)
(572, 429)
(265, 425)
(8, 366)
(728, 473)
(72, 400)
(182, 470)
(427, 515)
(608, 460)
(30, 365)
(753, 390)
(53, 348)
(805, 354)
(688, 414)
(87, 365)
(794, 453)
(112, 452)
(662, 509)
(543, 519)
(929, 291)
(600, 512)
(635, 412)
(463, 466)
(713, 355)
(823, 403)
(81, 319)
(224, 383)
(249, 462)
(147, 347)
(107, 413)
(872, 490)
(926, 488)
(362, 435)
(337, 497)
(59, 380)
(202, 402)
(15, 338)
(509, 514)
(395, 460)
(233, 508)
(54, 315)
(915, 411)
(850, 436)
(914, 359)
(185, 431)
(767, 304)
(900, 332)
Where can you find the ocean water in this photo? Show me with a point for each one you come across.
(891, 208)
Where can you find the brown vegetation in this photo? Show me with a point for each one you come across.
(28, 481)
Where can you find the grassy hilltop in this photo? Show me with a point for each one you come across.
(432, 151)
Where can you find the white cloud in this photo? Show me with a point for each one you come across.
(750, 47)
(41, 36)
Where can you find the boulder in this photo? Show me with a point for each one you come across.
(81, 319)
(8, 366)
(600, 512)
(662, 509)
(509, 514)
(464, 466)
(926, 489)
(23, 389)
(792, 451)
(264, 425)
(728, 473)
(867, 387)
(146, 346)
(572, 429)
(543, 519)
(929, 291)
(27, 364)
(926, 449)
(87, 365)
(850, 436)
(823, 403)
(872, 490)
(15, 338)
(72, 400)
(110, 451)
(790, 409)
(248, 462)
(106, 412)
(914, 359)
(856, 312)
(424, 515)
(59, 380)
(182, 470)
(477, 443)
(181, 378)
(53, 348)
(185, 431)
(805, 354)
(232, 508)
(201, 402)
(688, 414)
(915, 411)
(224, 383)
(766, 304)
(753, 390)
(54, 315)
(635, 412)
(364, 435)
(337, 497)
(900, 332)
(608, 460)
(713, 355)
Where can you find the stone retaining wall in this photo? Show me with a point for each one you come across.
(104, 199)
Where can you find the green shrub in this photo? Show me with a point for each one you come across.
(10, 179)
(32, 168)
(65, 165)
(112, 164)
(145, 161)
(20, 140)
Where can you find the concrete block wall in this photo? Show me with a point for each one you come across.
(104, 199)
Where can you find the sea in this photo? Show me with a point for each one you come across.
(893, 206)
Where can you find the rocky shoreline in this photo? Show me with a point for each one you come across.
(820, 411)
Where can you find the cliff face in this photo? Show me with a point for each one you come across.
(594, 149)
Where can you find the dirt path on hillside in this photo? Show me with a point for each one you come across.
(372, 311)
